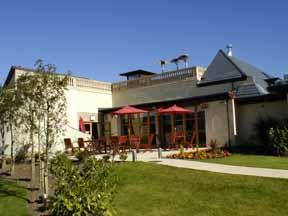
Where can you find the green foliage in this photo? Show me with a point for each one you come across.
(82, 190)
(181, 151)
(106, 158)
(279, 140)
(123, 157)
(81, 155)
(21, 155)
(263, 137)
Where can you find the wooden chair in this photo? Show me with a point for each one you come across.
(190, 141)
(123, 143)
(69, 148)
(135, 142)
(81, 145)
(101, 145)
(148, 146)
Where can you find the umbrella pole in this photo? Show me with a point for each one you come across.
(129, 128)
(196, 125)
(172, 129)
(184, 126)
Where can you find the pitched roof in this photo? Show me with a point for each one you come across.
(250, 90)
(224, 68)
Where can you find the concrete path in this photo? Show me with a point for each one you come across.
(212, 167)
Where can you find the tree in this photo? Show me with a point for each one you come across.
(10, 104)
(51, 90)
(3, 123)
(27, 85)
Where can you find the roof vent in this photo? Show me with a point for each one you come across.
(229, 50)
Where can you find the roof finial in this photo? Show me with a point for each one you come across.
(229, 50)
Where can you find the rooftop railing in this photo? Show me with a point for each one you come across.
(171, 76)
(88, 84)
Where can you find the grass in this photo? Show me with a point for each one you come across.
(151, 189)
(13, 199)
(272, 162)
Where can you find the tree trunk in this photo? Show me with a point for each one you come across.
(32, 152)
(3, 168)
(46, 161)
(41, 178)
(12, 165)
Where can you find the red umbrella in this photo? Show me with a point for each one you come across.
(128, 110)
(175, 110)
(81, 125)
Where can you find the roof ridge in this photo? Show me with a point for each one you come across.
(233, 63)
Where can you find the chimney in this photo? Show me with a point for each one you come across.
(229, 50)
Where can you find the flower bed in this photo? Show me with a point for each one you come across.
(201, 155)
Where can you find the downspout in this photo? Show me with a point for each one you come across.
(228, 122)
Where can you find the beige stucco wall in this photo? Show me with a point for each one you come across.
(248, 113)
(80, 101)
(216, 122)
(169, 91)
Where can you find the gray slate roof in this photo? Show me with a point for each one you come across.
(250, 90)
(224, 68)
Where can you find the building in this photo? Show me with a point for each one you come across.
(226, 99)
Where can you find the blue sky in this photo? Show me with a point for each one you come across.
(100, 39)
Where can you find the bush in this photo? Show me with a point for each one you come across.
(82, 190)
(279, 140)
(22, 154)
(123, 157)
(82, 155)
(106, 158)
(263, 136)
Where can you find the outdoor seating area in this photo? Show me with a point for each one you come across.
(137, 134)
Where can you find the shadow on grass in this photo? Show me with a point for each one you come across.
(11, 189)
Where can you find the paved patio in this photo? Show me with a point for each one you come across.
(152, 156)
(239, 170)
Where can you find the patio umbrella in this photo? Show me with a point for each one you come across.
(81, 125)
(176, 110)
(129, 110)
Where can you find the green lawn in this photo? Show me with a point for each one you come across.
(253, 161)
(151, 189)
(12, 199)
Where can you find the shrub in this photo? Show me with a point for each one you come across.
(262, 129)
(106, 158)
(123, 157)
(82, 155)
(22, 154)
(82, 190)
(279, 140)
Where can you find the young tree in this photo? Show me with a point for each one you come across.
(3, 123)
(27, 85)
(10, 107)
(51, 90)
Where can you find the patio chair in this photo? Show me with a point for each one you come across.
(190, 141)
(148, 146)
(114, 144)
(81, 145)
(135, 142)
(69, 148)
(102, 145)
(123, 143)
